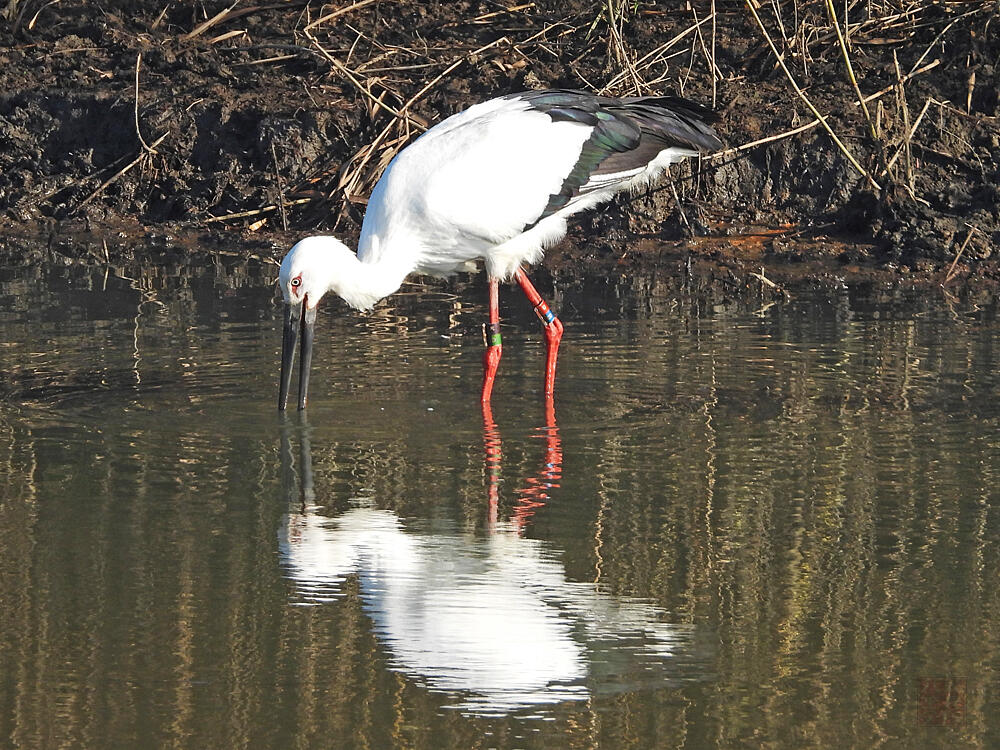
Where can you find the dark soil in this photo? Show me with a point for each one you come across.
(251, 124)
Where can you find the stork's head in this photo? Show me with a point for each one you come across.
(307, 273)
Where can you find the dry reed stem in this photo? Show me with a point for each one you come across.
(617, 44)
(951, 270)
(813, 123)
(269, 60)
(654, 54)
(905, 79)
(905, 109)
(715, 68)
(378, 103)
(229, 14)
(908, 136)
(802, 95)
(253, 212)
(281, 188)
(762, 141)
(709, 55)
(146, 146)
(34, 18)
(979, 118)
(352, 177)
(944, 31)
(876, 139)
(762, 278)
(494, 14)
(227, 35)
(338, 13)
(202, 27)
(159, 19)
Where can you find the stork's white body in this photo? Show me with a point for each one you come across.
(465, 190)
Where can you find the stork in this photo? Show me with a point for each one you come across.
(493, 184)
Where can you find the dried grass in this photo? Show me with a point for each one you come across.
(396, 83)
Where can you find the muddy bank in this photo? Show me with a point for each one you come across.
(275, 120)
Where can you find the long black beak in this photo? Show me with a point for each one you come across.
(297, 316)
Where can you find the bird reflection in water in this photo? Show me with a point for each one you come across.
(490, 620)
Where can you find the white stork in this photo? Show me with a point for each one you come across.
(495, 183)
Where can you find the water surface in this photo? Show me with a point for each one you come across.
(744, 525)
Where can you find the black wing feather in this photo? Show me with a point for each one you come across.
(628, 133)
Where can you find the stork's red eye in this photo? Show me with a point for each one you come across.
(297, 281)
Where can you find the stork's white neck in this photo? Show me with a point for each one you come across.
(362, 284)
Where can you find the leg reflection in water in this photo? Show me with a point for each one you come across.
(535, 492)
(297, 475)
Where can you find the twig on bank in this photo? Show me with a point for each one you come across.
(147, 150)
(762, 141)
(353, 80)
(677, 202)
(653, 56)
(979, 118)
(269, 60)
(228, 14)
(715, 68)
(281, 188)
(206, 25)
(253, 212)
(906, 79)
(907, 130)
(352, 178)
(905, 147)
(159, 19)
(709, 55)
(435, 81)
(762, 278)
(227, 35)
(802, 95)
(615, 11)
(138, 133)
(813, 123)
(951, 270)
(513, 9)
(873, 130)
(338, 13)
(142, 155)
(944, 31)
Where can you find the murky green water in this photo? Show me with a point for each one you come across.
(745, 528)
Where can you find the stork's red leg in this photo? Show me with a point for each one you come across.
(491, 359)
(553, 330)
